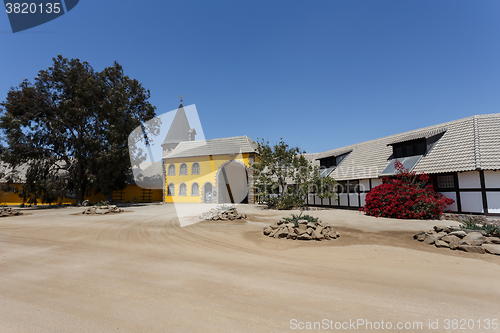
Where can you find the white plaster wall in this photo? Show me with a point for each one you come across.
(343, 199)
(492, 179)
(310, 198)
(353, 200)
(363, 199)
(364, 184)
(453, 207)
(376, 182)
(472, 202)
(469, 180)
(493, 202)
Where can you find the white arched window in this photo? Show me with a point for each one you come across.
(195, 168)
(183, 170)
(183, 189)
(171, 190)
(171, 170)
(195, 190)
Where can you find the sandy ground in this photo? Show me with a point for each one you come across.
(140, 271)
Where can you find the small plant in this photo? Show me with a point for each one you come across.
(102, 203)
(226, 207)
(475, 223)
(295, 218)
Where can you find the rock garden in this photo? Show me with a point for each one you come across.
(223, 213)
(300, 227)
(101, 210)
(8, 211)
(482, 239)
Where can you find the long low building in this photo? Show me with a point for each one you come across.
(462, 157)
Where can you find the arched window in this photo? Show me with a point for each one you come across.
(195, 168)
(183, 170)
(171, 190)
(171, 170)
(195, 190)
(183, 189)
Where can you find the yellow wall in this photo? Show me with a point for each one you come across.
(209, 165)
(132, 192)
(128, 194)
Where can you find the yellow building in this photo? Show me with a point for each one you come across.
(212, 171)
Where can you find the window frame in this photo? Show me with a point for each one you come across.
(171, 166)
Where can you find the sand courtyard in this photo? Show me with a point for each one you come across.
(140, 271)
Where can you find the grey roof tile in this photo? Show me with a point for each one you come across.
(223, 146)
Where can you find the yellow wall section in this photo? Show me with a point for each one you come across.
(127, 195)
(209, 165)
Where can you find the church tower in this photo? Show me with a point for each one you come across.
(179, 131)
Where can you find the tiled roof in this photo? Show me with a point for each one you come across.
(467, 144)
(234, 145)
(420, 135)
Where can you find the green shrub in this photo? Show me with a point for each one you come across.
(295, 218)
(475, 223)
(226, 207)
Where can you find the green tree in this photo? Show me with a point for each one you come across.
(283, 177)
(71, 127)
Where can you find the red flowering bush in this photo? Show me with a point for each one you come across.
(405, 196)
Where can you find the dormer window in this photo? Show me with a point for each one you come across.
(409, 148)
(332, 161)
(328, 164)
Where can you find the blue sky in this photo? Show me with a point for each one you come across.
(320, 74)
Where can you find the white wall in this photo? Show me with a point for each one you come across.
(364, 185)
(472, 202)
(353, 200)
(469, 180)
(492, 179)
(343, 199)
(376, 182)
(493, 202)
(362, 196)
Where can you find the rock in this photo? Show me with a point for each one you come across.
(474, 239)
(418, 234)
(283, 232)
(332, 234)
(492, 248)
(302, 228)
(311, 225)
(440, 243)
(302, 221)
(304, 237)
(472, 249)
(317, 235)
(309, 231)
(459, 233)
(431, 239)
(422, 237)
(267, 230)
(493, 240)
(452, 240)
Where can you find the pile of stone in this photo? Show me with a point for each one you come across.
(215, 214)
(102, 210)
(454, 238)
(303, 230)
(7, 211)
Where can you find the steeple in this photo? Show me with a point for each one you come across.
(179, 130)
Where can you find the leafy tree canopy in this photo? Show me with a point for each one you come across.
(71, 128)
(283, 177)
